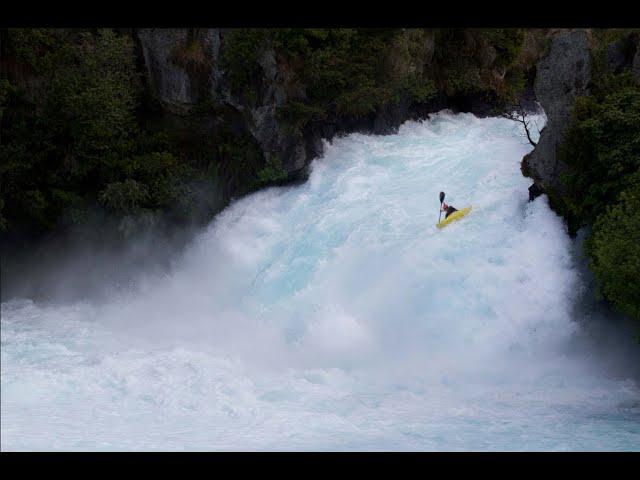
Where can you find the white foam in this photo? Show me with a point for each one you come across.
(334, 315)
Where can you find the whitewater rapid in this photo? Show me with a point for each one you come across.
(333, 315)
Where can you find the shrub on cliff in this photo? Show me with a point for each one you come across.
(601, 148)
(614, 250)
(344, 72)
(602, 151)
(272, 172)
(479, 61)
(240, 59)
(124, 196)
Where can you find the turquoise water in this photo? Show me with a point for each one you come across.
(334, 316)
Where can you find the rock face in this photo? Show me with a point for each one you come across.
(263, 122)
(169, 82)
(177, 88)
(183, 67)
(561, 76)
(635, 68)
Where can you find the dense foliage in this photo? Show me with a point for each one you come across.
(75, 143)
(614, 249)
(355, 72)
(602, 151)
(481, 61)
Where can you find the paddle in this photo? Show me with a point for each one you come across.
(441, 200)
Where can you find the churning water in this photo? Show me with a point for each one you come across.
(334, 316)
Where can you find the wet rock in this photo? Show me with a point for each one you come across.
(389, 118)
(535, 191)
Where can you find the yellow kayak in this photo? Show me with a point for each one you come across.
(457, 215)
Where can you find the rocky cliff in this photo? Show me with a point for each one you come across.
(184, 67)
(172, 82)
(561, 76)
(179, 87)
(564, 74)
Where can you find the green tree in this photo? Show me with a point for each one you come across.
(602, 150)
(614, 249)
(75, 142)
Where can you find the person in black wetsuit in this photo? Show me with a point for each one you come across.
(448, 208)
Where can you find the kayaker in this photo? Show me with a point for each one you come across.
(448, 208)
